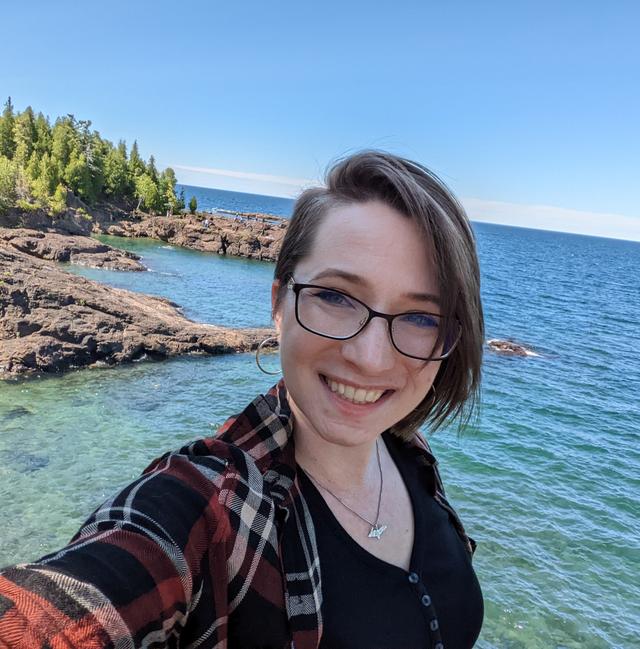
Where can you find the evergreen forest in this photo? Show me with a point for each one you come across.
(40, 163)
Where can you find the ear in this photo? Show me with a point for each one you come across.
(275, 313)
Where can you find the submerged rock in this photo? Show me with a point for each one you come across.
(23, 461)
(52, 321)
(15, 413)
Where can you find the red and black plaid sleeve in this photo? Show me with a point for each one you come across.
(136, 571)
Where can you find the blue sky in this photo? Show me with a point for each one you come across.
(530, 111)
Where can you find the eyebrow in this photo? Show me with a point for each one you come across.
(359, 281)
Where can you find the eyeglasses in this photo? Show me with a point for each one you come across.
(333, 314)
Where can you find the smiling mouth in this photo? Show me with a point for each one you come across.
(359, 396)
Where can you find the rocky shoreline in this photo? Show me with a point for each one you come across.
(52, 321)
(75, 249)
(237, 234)
(253, 236)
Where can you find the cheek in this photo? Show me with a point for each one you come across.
(423, 376)
(295, 348)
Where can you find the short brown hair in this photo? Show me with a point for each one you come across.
(420, 195)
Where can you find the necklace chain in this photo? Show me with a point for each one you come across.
(376, 529)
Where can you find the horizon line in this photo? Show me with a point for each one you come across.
(517, 215)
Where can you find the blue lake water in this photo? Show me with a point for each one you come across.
(547, 479)
(212, 199)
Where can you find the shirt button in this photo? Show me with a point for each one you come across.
(413, 578)
(426, 600)
(438, 645)
(433, 625)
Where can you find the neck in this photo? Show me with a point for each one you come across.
(346, 468)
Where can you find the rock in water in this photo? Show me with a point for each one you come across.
(509, 348)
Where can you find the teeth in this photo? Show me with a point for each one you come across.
(355, 395)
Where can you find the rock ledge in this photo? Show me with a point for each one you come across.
(52, 321)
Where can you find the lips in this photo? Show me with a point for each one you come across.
(353, 394)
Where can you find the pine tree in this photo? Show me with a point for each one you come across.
(193, 205)
(43, 162)
(47, 180)
(8, 177)
(151, 169)
(63, 142)
(136, 165)
(181, 200)
(122, 149)
(43, 135)
(78, 176)
(7, 123)
(58, 202)
(96, 154)
(25, 136)
(33, 166)
(116, 179)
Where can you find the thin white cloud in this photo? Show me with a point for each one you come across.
(540, 217)
(245, 175)
(549, 217)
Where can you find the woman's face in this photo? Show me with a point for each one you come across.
(375, 254)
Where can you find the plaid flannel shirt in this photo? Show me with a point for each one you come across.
(166, 561)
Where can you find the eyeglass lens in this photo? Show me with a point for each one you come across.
(336, 315)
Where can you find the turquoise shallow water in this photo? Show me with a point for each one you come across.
(547, 479)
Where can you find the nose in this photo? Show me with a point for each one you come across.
(371, 350)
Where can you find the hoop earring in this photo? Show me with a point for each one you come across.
(434, 396)
(259, 349)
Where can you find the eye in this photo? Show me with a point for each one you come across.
(421, 320)
(332, 298)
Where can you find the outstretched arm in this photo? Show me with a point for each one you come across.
(134, 573)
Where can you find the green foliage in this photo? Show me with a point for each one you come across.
(116, 174)
(77, 175)
(27, 205)
(25, 136)
(193, 205)
(149, 193)
(63, 142)
(33, 167)
(47, 179)
(7, 123)
(43, 135)
(151, 169)
(167, 187)
(136, 164)
(122, 149)
(8, 177)
(58, 202)
(39, 163)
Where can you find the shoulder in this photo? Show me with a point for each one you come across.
(206, 467)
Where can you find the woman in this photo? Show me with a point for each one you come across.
(316, 517)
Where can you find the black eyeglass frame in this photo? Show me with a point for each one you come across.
(389, 317)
